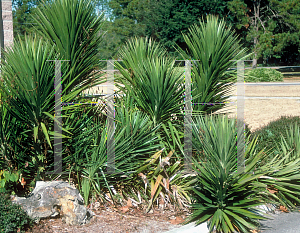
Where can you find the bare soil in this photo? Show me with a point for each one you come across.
(260, 112)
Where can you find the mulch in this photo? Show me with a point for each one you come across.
(116, 220)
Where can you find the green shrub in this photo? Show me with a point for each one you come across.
(263, 75)
(12, 218)
(223, 196)
(214, 47)
(226, 197)
(270, 135)
(291, 144)
(8, 180)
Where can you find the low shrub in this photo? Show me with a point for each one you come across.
(222, 196)
(270, 135)
(12, 218)
(291, 144)
(263, 75)
(227, 197)
(9, 181)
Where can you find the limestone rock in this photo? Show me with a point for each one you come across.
(53, 198)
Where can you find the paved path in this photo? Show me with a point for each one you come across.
(278, 223)
(282, 223)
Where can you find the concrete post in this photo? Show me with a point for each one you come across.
(6, 23)
(188, 118)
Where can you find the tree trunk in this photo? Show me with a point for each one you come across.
(256, 26)
(254, 62)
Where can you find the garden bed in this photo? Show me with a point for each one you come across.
(117, 220)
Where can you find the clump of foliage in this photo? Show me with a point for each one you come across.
(263, 75)
(291, 144)
(226, 196)
(8, 180)
(270, 135)
(215, 48)
(26, 117)
(13, 218)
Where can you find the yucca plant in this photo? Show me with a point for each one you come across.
(226, 197)
(28, 91)
(151, 78)
(290, 144)
(215, 48)
(10, 150)
(289, 153)
(73, 27)
(136, 185)
(134, 139)
(8, 136)
(15, 148)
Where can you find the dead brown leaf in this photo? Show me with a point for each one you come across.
(283, 209)
(124, 209)
(176, 221)
(272, 190)
(129, 203)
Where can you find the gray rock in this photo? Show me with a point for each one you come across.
(53, 198)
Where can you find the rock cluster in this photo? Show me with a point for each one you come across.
(53, 198)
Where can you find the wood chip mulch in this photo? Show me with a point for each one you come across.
(114, 220)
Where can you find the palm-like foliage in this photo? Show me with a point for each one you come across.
(71, 31)
(227, 197)
(151, 78)
(74, 27)
(215, 47)
(134, 139)
(28, 89)
(8, 135)
(289, 154)
(15, 152)
(291, 144)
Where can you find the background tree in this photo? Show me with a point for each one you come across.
(269, 28)
(162, 20)
(175, 17)
(126, 19)
(272, 27)
(102, 6)
(22, 21)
